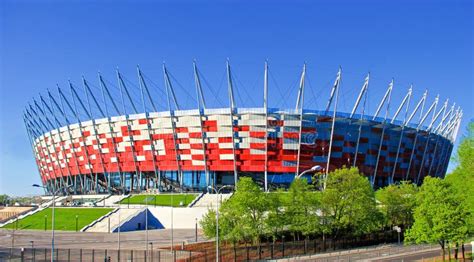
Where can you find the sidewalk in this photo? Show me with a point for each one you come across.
(373, 253)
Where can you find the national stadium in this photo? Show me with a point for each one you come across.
(88, 138)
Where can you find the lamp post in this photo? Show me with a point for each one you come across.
(196, 230)
(312, 169)
(52, 216)
(217, 217)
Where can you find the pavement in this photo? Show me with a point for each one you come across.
(385, 253)
(93, 240)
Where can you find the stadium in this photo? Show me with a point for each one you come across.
(89, 140)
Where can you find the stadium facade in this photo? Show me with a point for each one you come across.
(111, 150)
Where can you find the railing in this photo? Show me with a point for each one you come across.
(95, 255)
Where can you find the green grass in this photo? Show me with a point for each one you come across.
(160, 200)
(65, 218)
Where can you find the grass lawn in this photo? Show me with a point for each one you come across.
(160, 200)
(65, 218)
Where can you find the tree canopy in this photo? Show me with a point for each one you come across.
(348, 203)
(397, 202)
(462, 177)
(439, 217)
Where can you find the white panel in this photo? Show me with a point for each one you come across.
(226, 156)
(184, 146)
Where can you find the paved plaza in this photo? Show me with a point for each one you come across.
(90, 240)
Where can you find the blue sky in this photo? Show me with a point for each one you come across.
(427, 43)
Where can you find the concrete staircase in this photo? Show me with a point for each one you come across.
(112, 200)
(210, 200)
(116, 218)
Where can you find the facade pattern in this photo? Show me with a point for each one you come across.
(194, 149)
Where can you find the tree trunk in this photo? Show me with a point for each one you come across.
(462, 250)
(456, 250)
(441, 243)
(449, 251)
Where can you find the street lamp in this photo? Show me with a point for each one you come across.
(52, 218)
(313, 169)
(217, 217)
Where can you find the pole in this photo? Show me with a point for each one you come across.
(196, 231)
(52, 227)
(76, 221)
(217, 219)
(336, 86)
(172, 235)
(217, 227)
(118, 229)
(146, 224)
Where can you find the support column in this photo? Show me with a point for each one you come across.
(336, 89)
(387, 109)
(152, 145)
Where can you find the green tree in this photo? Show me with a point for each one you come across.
(462, 177)
(275, 220)
(397, 203)
(301, 206)
(242, 216)
(4, 199)
(439, 218)
(348, 204)
(208, 223)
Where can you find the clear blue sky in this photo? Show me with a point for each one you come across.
(427, 43)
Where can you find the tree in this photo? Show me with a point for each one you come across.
(208, 223)
(438, 216)
(275, 220)
(348, 204)
(242, 216)
(462, 177)
(397, 203)
(4, 199)
(301, 206)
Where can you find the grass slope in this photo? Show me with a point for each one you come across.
(160, 200)
(65, 218)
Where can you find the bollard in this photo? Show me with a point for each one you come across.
(69, 255)
(283, 247)
(174, 255)
(80, 255)
(22, 254)
(45, 254)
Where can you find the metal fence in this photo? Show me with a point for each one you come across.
(203, 251)
(95, 255)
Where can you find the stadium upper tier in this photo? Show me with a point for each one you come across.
(191, 149)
